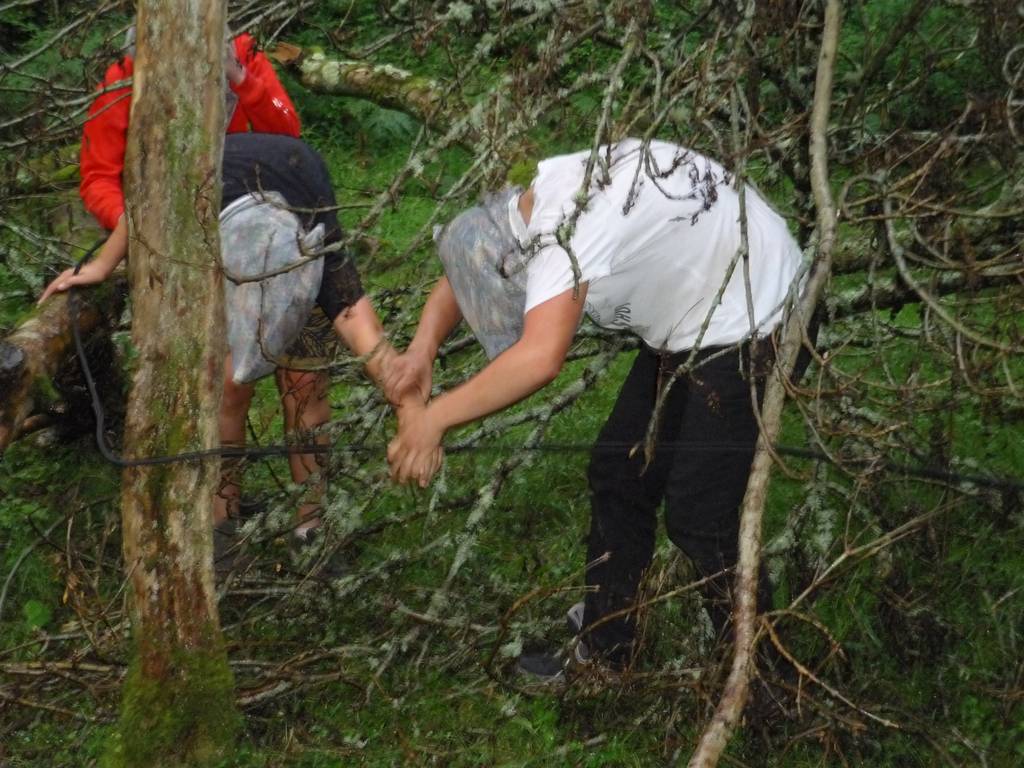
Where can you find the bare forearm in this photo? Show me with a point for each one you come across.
(116, 247)
(519, 371)
(512, 376)
(416, 453)
(97, 269)
(528, 365)
(361, 331)
(439, 317)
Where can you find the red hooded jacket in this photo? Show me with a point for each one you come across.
(263, 106)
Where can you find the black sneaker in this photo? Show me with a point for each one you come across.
(551, 668)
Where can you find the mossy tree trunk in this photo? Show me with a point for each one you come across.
(178, 701)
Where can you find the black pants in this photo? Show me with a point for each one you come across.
(701, 483)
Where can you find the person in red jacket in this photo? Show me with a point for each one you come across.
(258, 102)
(261, 105)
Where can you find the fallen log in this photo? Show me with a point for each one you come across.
(42, 346)
(383, 84)
(31, 356)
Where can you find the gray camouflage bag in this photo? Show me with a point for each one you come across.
(485, 266)
(259, 235)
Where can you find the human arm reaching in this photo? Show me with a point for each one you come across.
(413, 369)
(98, 268)
(525, 367)
(361, 331)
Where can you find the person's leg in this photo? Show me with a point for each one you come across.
(306, 408)
(233, 408)
(624, 500)
(708, 479)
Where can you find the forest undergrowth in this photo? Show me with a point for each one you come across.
(897, 555)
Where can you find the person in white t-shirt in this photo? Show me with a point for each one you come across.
(653, 247)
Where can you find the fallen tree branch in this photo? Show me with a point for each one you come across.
(383, 84)
(716, 736)
(32, 354)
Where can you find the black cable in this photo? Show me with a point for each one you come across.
(316, 448)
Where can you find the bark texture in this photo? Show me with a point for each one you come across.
(178, 704)
(383, 84)
(32, 354)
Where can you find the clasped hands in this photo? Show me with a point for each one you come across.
(415, 454)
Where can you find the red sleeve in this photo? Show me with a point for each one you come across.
(263, 102)
(104, 137)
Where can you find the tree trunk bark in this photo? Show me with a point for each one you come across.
(178, 704)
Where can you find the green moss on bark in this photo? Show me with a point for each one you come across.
(43, 391)
(186, 719)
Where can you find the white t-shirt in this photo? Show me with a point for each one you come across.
(655, 245)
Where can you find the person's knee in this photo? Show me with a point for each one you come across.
(300, 380)
(304, 398)
(304, 386)
(710, 544)
(702, 511)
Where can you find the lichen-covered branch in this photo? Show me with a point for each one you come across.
(383, 84)
(734, 696)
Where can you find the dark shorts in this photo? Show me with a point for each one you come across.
(340, 286)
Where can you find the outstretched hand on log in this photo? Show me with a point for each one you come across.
(90, 274)
(97, 270)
